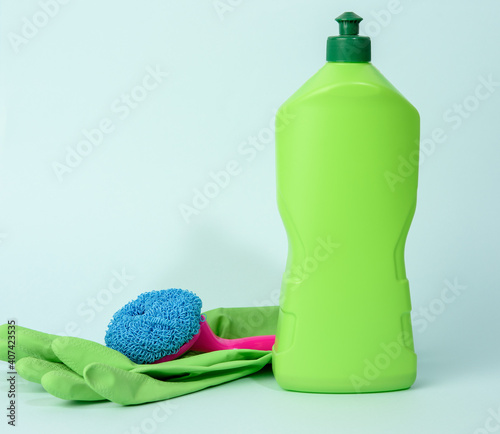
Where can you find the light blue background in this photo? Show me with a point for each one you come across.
(62, 241)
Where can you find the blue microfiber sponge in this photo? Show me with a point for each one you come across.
(154, 325)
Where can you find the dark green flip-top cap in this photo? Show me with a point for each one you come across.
(348, 46)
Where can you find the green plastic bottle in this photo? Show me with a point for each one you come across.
(347, 145)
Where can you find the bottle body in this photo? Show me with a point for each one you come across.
(347, 169)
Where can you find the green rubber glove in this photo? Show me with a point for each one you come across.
(77, 369)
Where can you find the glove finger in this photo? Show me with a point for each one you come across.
(130, 388)
(215, 363)
(33, 369)
(77, 353)
(69, 385)
(25, 342)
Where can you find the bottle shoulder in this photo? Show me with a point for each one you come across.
(336, 79)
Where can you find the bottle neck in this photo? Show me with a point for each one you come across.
(347, 48)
